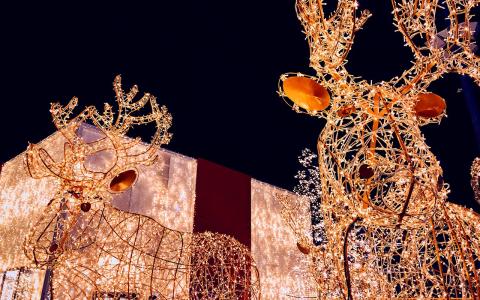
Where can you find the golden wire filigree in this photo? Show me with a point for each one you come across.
(222, 268)
(81, 186)
(93, 249)
(389, 232)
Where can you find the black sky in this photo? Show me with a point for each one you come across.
(215, 64)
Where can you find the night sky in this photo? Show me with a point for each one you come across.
(215, 65)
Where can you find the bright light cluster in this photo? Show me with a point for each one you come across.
(475, 181)
(84, 185)
(283, 268)
(389, 231)
(90, 236)
(438, 260)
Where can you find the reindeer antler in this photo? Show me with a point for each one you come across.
(81, 186)
(41, 164)
(330, 39)
(436, 52)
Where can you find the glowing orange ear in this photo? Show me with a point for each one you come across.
(123, 181)
(306, 93)
(429, 105)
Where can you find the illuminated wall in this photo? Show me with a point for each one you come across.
(283, 273)
(22, 199)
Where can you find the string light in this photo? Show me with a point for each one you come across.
(475, 181)
(283, 268)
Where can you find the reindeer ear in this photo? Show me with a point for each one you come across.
(305, 92)
(429, 105)
(123, 181)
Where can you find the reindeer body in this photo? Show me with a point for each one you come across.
(370, 166)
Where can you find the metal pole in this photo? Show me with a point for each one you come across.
(46, 285)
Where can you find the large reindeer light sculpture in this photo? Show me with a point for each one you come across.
(97, 251)
(389, 232)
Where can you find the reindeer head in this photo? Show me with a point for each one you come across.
(373, 160)
(84, 186)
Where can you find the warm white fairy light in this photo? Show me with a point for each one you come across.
(475, 181)
(309, 191)
(21, 284)
(222, 268)
(169, 201)
(81, 188)
(22, 200)
(389, 231)
(282, 267)
(99, 243)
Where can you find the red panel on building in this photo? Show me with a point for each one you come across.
(222, 202)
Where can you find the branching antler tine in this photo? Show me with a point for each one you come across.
(453, 18)
(142, 119)
(61, 114)
(54, 169)
(340, 27)
(104, 120)
(70, 135)
(125, 106)
(154, 115)
(311, 12)
(401, 27)
(304, 13)
(120, 97)
(107, 116)
(449, 50)
(163, 122)
(132, 93)
(164, 136)
(365, 14)
(117, 87)
(354, 26)
(140, 103)
(321, 15)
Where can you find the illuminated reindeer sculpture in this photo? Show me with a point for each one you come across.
(389, 231)
(98, 251)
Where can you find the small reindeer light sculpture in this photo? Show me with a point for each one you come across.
(98, 251)
(82, 188)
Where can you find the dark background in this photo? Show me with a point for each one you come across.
(215, 64)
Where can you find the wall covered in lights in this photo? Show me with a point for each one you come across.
(283, 271)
